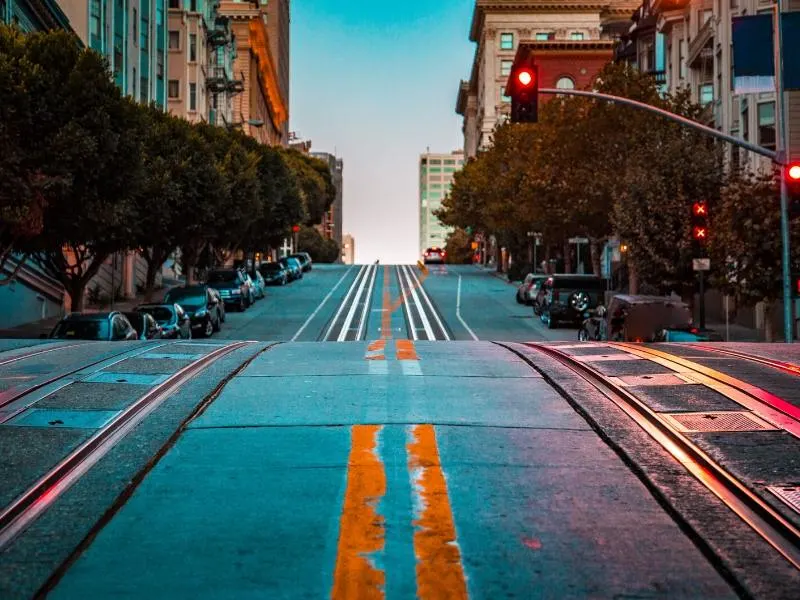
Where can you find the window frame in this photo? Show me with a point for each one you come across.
(177, 33)
(773, 144)
(177, 83)
(505, 67)
(507, 41)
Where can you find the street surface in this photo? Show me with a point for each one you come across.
(381, 432)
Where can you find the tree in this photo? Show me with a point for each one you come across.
(746, 241)
(315, 184)
(91, 164)
(458, 247)
(321, 250)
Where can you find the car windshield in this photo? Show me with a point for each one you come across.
(162, 314)
(82, 330)
(228, 277)
(271, 268)
(187, 297)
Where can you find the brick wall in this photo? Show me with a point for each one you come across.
(582, 67)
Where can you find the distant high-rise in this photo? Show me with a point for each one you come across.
(332, 221)
(436, 172)
(348, 249)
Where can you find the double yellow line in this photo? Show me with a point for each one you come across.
(362, 532)
(362, 529)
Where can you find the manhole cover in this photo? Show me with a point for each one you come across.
(790, 495)
(718, 421)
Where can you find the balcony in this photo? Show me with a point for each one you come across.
(702, 46)
(219, 81)
(660, 77)
(220, 35)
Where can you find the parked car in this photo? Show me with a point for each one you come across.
(568, 297)
(292, 265)
(105, 327)
(434, 255)
(203, 305)
(259, 285)
(537, 295)
(526, 287)
(304, 258)
(643, 319)
(232, 286)
(145, 325)
(174, 322)
(274, 273)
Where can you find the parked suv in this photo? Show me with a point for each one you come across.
(568, 297)
(233, 286)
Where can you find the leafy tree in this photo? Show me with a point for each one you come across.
(315, 184)
(322, 250)
(90, 165)
(459, 247)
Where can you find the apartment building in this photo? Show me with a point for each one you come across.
(571, 40)
(436, 173)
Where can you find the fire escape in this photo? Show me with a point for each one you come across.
(221, 82)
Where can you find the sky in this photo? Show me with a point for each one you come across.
(375, 82)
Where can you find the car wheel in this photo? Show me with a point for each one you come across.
(208, 328)
(579, 302)
(242, 305)
(537, 310)
(218, 324)
(519, 298)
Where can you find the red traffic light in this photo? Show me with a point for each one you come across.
(793, 172)
(700, 209)
(525, 77)
(295, 228)
(700, 234)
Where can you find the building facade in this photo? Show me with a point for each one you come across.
(278, 31)
(332, 221)
(202, 83)
(132, 35)
(436, 172)
(261, 110)
(572, 40)
(348, 249)
(33, 15)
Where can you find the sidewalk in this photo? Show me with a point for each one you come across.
(35, 329)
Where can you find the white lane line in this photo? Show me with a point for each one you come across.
(348, 321)
(425, 322)
(321, 304)
(458, 312)
(367, 305)
(434, 312)
(403, 294)
(344, 302)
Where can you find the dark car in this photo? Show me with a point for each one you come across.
(202, 304)
(292, 265)
(568, 297)
(174, 322)
(304, 258)
(434, 255)
(105, 327)
(232, 286)
(274, 273)
(145, 325)
(259, 285)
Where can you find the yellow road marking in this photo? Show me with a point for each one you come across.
(406, 350)
(376, 350)
(440, 573)
(361, 529)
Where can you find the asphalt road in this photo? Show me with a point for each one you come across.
(373, 442)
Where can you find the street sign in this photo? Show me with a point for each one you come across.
(701, 264)
(578, 240)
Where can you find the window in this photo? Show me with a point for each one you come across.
(135, 26)
(576, 35)
(95, 24)
(682, 58)
(144, 87)
(174, 88)
(134, 80)
(160, 65)
(544, 36)
(192, 96)
(505, 67)
(503, 96)
(193, 5)
(565, 83)
(192, 47)
(706, 94)
(746, 124)
(174, 40)
(506, 41)
(174, 3)
(766, 125)
(704, 16)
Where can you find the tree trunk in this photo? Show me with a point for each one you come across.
(567, 257)
(594, 251)
(633, 279)
(155, 258)
(190, 254)
(75, 289)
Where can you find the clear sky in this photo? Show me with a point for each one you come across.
(376, 83)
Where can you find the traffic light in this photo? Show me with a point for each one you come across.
(700, 231)
(792, 176)
(523, 88)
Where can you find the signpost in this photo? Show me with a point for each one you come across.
(578, 241)
(701, 265)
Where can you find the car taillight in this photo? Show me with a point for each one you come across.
(694, 330)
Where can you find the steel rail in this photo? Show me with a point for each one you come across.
(26, 508)
(779, 365)
(773, 527)
(365, 313)
(348, 321)
(120, 356)
(344, 303)
(432, 309)
(31, 354)
(765, 404)
(412, 326)
(426, 324)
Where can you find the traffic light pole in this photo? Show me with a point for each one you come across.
(778, 158)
